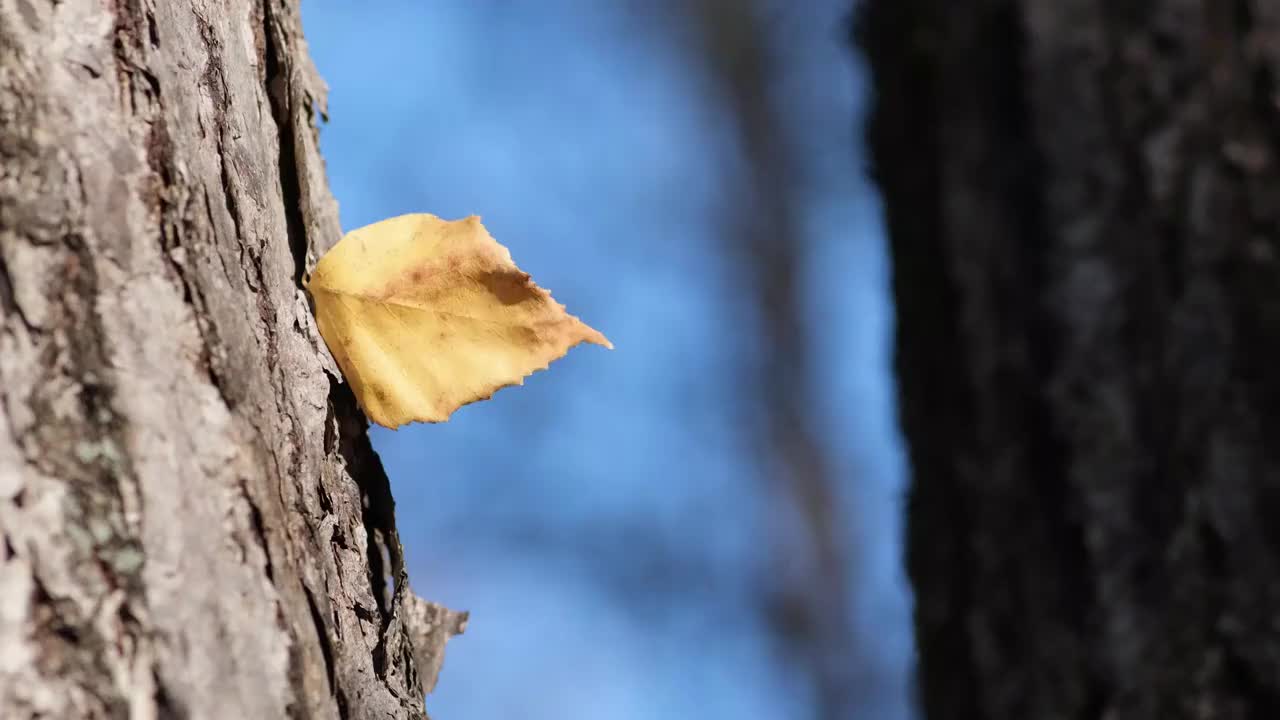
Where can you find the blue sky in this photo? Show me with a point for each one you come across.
(602, 521)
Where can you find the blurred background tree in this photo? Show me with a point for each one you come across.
(704, 523)
(1083, 202)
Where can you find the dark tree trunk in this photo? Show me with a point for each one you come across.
(192, 522)
(1083, 201)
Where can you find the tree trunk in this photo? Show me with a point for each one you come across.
(1083, 202)
(193, 521)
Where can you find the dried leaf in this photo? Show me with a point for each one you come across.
(426, 315)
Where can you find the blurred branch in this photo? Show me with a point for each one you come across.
(809, 612)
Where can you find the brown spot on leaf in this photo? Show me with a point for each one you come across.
(509, 286)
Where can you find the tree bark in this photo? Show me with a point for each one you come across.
(193, 522)
(1083, 204)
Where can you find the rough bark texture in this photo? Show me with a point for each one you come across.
(1083, 200)
(192, 521)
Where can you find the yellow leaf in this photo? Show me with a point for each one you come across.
(425, 315)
